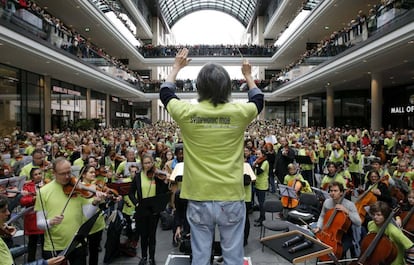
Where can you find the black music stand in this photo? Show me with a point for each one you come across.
(80, 237)
(287, 191)
(306, 160)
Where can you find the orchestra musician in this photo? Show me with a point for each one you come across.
(147, 183)
(332, 176)
(261, 168)
(378, 187)
(306, 169)
(60, 215)
(293, 176)
(95, 235)
(284, 156)
(350, 239)
(5, 255)
(28, 199)
(38, 161)
(380, 212)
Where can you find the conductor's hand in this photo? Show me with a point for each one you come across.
(180, 62)
(246, 69)
(55, 260)
(181, 59)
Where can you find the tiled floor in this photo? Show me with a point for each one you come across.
(165, 248)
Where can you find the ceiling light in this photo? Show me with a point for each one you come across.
(47, 62)
(391, 77)
(411, 42)
(87, 29)
(326, 27)
(369, 73)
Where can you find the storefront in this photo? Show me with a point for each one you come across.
(398, 110)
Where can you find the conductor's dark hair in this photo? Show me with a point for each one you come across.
(214, 84)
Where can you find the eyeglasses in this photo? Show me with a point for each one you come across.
(64, 174)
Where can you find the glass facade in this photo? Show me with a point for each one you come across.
(10, 99)
(68, 104)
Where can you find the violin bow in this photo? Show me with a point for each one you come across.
(72, 191)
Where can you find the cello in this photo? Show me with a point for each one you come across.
(288, 201)
(377, 248)
(335, 224)
(407, 222)
(365, 199)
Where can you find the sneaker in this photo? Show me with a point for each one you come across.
(143, 261)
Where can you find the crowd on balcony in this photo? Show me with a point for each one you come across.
(246, 50)
(357, 30)
(69, 39)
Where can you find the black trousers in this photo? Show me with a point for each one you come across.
(147, 228)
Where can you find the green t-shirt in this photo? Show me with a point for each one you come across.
(53, 201)
(213, 138)
(5, 255)
(262, 180)
(397, 237)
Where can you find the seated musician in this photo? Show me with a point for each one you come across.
(376, 165)
(5, 255)
(380, 211)
(403, 173)
(350, 240)
(332, 176)
(379, 187)
(293, 176)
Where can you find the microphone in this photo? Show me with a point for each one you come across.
(293, 240)
(306, 244)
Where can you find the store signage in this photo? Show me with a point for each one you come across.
(402, 110)
(115, 99)
(121, 115)
(66, 91)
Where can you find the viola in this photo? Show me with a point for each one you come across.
(335, 224)
(376, 248)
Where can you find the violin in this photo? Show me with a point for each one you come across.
(75, 187)
(101, 186)
(335, 224)
(9, 192)
(377, 248)
(154, 172)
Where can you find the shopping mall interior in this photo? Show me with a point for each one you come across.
(318, 62)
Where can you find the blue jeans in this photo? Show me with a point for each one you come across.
(229, 217)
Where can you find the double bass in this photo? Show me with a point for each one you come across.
(376, 248)
(335, 224)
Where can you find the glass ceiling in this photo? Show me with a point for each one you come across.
(173, 10)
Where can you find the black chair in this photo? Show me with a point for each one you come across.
(275, 224)
(307, 211)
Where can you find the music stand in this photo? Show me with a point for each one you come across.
(13, 181)
(81, 235)
(287, 191)
(322, 194)
(178, 172)
(306, 160)
(247, 169)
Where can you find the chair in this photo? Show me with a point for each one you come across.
(275, 224)
(307, 211)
